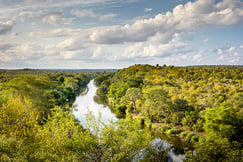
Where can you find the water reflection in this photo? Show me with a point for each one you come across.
(85, 103)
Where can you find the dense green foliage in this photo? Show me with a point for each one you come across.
(36, 124)
(205, 99)
(43, 89)
(60, 138)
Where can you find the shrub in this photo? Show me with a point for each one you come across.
(202, 139)
(164, 128)
(148, 123)
(199, 125)
(175, 131)
(194, 138)
(168, 131)
(183, 134)
(189, 136)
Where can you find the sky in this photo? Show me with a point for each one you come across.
(113, 34)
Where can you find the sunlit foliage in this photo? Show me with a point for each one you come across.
(201, 99)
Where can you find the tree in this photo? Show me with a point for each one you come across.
(117, 91)
(123, 140)
(33, 88)
(181, 105)
(216, 149)
(132, 94)
(17, 119)
(190, 119)
(157, 103)
(223, 121)
(71, 82)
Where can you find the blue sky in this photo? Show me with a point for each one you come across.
(75, 34)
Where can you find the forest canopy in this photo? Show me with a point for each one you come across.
(35, 114)
(206, 100)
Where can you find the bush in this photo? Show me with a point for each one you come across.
(168, 131)
(189, 136)
(202, 139)
(164, 128)
(199, 125)
(122, 109)
(194, 138)
(148, 123)
(175, 131)
(183, 134)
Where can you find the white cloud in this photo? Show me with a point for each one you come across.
(6, 27)
(5, 46)
(148, 49)
(26, 52)
(221, 58)
(106, 17)
(232, 55)
(103, 52)
(175, 59)
(206, 40)
(231, 49)
(54, 18)
(198, 57)
(97, 52)
(59, 32)
(148, 9)
(24, 15)
(83, 13)
(183, 18)
(90, 14)
(158, 38)
(12, 8)
(219, 51)
(69, 44)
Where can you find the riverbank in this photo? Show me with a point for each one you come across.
(198, 98)
(88, 102)
(183, 133)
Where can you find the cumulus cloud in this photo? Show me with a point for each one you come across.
(183, 18)
(153, 50)
(138, 51)
(24, 15)
(158, 38)
(101, 52)
(26, 52)
(6, 27)
(55, 18)
(231, 55)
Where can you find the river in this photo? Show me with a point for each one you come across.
(85, 103)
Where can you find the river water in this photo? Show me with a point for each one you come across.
(85, 103)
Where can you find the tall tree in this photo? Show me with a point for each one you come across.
(132, 94)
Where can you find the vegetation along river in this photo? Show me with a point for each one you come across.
(86, 103)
